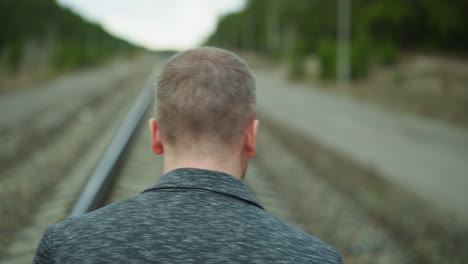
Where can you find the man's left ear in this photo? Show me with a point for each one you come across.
(251, 138)
(155, 134)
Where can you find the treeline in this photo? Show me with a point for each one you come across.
(61, 38)
(380, 30)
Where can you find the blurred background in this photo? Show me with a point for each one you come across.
(363, 107)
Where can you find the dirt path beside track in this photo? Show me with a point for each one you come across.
(427, 156)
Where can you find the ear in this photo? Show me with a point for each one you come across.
(251, 138)
(155, 133)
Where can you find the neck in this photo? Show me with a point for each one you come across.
(233, 166)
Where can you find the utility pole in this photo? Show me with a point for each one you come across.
(343, 59)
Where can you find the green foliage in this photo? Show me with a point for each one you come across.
(14, 56)
(387, 52)
(380, 28)
(360, 57)
(77, 42)
(296, 60)
(69, 56)
(327, 55)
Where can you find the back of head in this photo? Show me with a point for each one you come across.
(205, 94)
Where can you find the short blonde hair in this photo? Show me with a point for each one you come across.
(205, 93)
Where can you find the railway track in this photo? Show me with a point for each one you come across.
(281, 177)
(81, 110)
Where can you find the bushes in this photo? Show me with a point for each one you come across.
(296, 60)
(360, 54)
(327, 53)
(327, 56)
(387, 52)
(14, 54)
(68, 56)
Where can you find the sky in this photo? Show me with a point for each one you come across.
(156, 24)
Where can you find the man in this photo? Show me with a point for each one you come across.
(199, 211)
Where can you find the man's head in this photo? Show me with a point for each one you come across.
(205, 105)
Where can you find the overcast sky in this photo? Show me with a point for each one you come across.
(156, 24)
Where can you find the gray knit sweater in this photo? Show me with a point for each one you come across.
(189, 216)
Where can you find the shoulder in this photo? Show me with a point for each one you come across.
(315, 249)
(107, 219)
(312, 248)
(44, 252)
(76, 235)
(118, 212)
(302, 247)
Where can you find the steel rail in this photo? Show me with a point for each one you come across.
(101, 180)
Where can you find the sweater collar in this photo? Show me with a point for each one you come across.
(215, 181)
